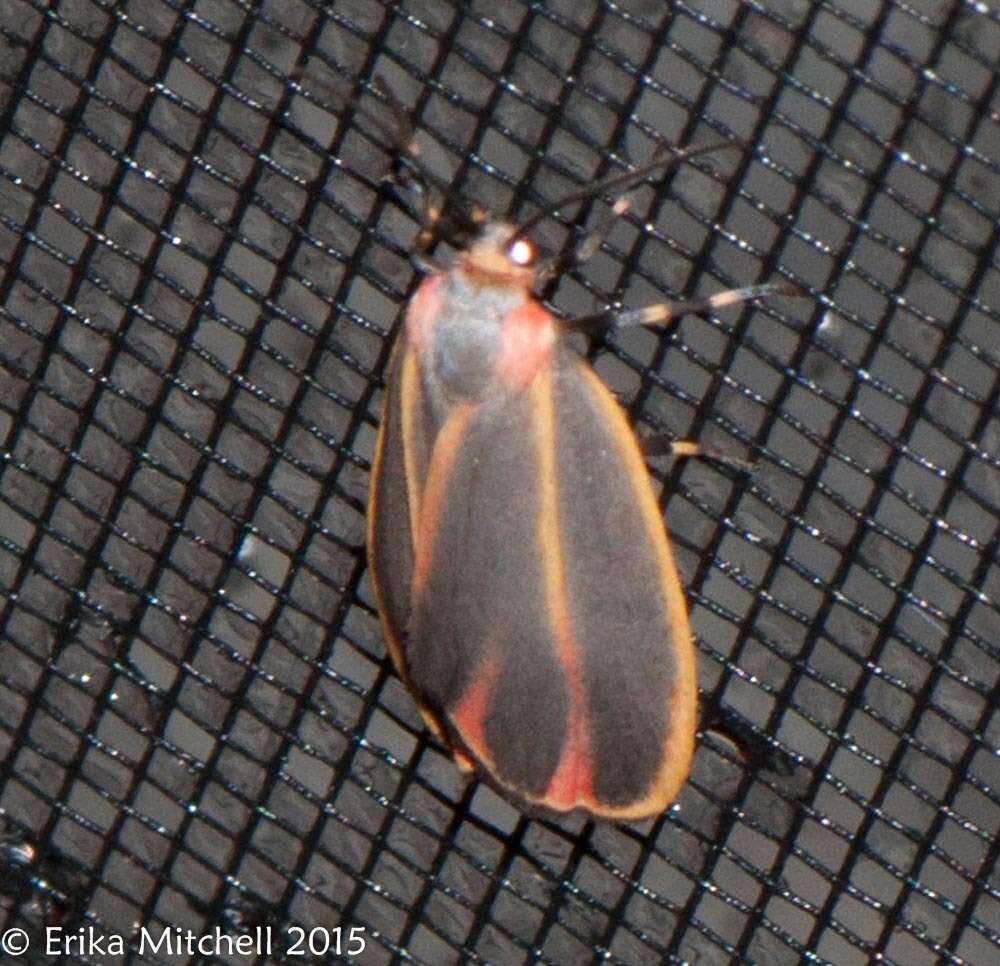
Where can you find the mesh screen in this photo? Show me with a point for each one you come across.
(200, 276)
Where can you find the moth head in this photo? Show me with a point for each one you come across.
(499, 255)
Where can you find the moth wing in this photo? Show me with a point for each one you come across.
(402, 454)
(548, 629)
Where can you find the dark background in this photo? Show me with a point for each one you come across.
(200, 275)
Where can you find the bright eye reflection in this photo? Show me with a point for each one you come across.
(521, 252)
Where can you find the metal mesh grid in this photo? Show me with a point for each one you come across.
(199, 277)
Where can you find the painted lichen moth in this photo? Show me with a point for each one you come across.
(520, 564)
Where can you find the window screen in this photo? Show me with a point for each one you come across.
(203, 264)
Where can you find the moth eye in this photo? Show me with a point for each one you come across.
(521, 252)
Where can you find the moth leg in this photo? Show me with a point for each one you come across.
(588, 247)
(660, 444)
(663, 313)
(662, 160)
(755, 750)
